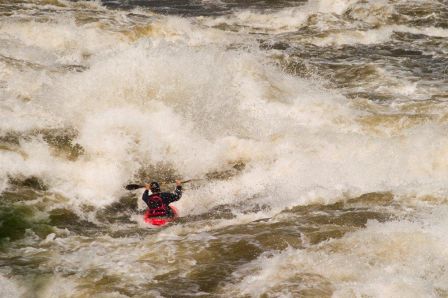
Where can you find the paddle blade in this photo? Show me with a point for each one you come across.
(133, 186)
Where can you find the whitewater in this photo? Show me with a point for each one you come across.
(315, 132)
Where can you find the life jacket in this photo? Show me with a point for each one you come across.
(161, 209)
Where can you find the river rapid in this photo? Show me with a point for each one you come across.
(317, 131)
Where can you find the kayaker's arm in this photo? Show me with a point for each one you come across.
(177, 194)
(145, 197)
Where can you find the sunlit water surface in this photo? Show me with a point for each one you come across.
(317, 131)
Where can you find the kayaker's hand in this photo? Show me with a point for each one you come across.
(147, 186)
(178, 182)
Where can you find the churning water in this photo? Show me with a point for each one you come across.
(318, 130)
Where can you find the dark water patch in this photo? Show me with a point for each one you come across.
(5, 12)
(14, 196)
(97, 282)
(118, 212)
(73, 67)
(343, 67)
(348, 75)
(15, 220)
(218, 212)
(21, 64)
(274, 45)
(177, 287)
(425, 14)
(10, 138)
(429, 68)
(284, 237)
(22, 210)
(380, 13)
(24, 65)
(162, 172)
(190, 8)
(214, 265)
(372, 199)
(62, 141)
(441, 292)
(297, 66)
(412, 115)
(302, 285)
(28, 182)
(232, 170)
(131, 231)
(287, 234)
(405, 53)
(29, 268)
(349, 217)
(322, 222)
(65, 218)
(314, 235)
(227, 211)
(363, 201)
(218, 261)
(440, 98)
(372, 96)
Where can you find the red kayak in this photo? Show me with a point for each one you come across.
(160, 220)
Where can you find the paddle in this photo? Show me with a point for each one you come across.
(133, 186)
(137, 186)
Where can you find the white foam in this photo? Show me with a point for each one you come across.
(374, 36)
(198, 108)
(60, 42)
(293, 18)
(10, 288)
(179, 95)
(394, 259)
(135, 260)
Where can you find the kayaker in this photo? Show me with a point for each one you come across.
(158, 202)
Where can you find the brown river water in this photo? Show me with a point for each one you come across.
(316, 131)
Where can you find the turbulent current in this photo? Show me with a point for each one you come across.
(316, 132)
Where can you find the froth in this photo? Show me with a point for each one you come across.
(323, 168)
(374, 36)
(396, 259)
(171, 107)
(294, 18)
(56, 42)
(200, 108)
(9, 287)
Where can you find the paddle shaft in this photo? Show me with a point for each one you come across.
(137, 186)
